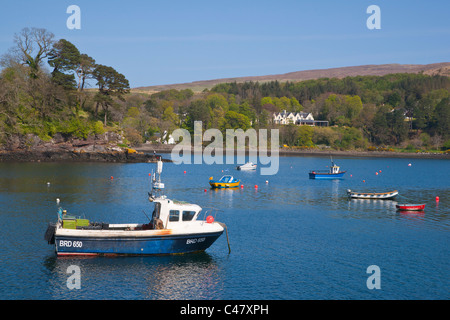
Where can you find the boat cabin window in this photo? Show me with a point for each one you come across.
(174, 215)
(188, 215)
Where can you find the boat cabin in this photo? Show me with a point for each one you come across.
(169, 214)
(227, 179)
(334, 169)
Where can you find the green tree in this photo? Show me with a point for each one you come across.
(234, 120)
(110, 84)
(170, 116)
(84, 70)
(64, 57)
(198, 110)
(442, 117)
(295, 105)
(305, 135)
(217, 101)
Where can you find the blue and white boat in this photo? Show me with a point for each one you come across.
(174, 228)
(333, 173)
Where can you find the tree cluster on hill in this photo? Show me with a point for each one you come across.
(397, 110)
(38, 102)
(401, 110)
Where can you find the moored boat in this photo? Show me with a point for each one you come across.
(247, 166)
(333, 173)
(372, 195)
(410, 207)
(226, 181)
(175, 227)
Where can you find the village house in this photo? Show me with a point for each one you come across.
(298, 118)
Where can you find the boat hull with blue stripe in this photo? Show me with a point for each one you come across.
(174, 228)
(333, 173)
(326, 175)
(150, 242)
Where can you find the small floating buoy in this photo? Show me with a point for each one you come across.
(380, 171)
(57, 200)
(184, 171)
(242, 186)
(376, 173)
(267, 181)
(437, 199)
(256, 186)
(409, 164)
(48, 183)
(112, 177)
(351, 175)
(205, 190)
(364, 180)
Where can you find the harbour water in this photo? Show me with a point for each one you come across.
(291, 238)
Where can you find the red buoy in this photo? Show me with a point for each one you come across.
(209, 219)
(437, 199)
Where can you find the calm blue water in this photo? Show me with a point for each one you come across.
(292, 238)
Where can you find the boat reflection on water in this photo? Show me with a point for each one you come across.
(412, 213)
(182, 277)
(370, 208)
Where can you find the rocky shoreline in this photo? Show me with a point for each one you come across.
(76, 156)
(318, 152)
(94, 149)
(105, 150)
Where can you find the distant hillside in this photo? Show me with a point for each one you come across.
(375, 70)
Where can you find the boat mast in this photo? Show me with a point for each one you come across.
(157, 185)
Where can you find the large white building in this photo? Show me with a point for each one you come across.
(298, 118)
(293, 117)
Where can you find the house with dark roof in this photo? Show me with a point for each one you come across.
(298, 118)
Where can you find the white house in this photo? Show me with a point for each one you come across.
(169, 140)
(298, 118)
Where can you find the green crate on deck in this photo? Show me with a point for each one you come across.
(69, 223)
(82, 222)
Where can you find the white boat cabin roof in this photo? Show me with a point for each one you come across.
(172, 212)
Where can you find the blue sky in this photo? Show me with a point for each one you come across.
(165, 42)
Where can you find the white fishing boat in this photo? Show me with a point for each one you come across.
(247, 166)
(174, 227)
(372, 195)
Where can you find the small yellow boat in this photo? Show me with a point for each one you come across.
(224, 182)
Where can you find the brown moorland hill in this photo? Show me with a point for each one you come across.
(442, 68)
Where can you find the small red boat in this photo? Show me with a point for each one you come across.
(411, 207)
